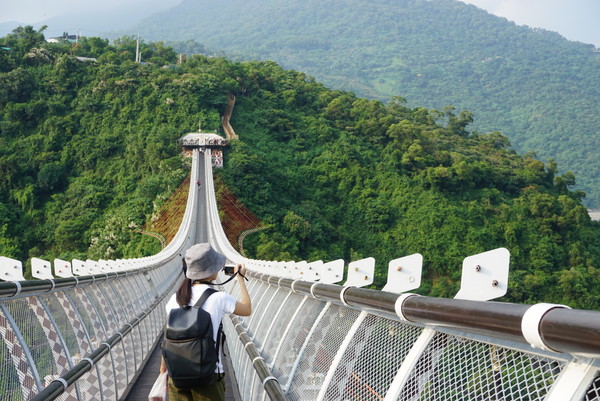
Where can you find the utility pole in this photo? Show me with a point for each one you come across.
(137, 50)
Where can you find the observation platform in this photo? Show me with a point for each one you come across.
(202, 140)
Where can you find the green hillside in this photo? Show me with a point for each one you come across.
(534, 86)
(88, 153)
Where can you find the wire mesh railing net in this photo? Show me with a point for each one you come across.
(47, 334)
(323, 350)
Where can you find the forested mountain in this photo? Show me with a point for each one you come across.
(533, 86)
(88, 151)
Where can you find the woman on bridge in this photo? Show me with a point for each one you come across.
(203, 267)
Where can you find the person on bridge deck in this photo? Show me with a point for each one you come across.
(203, 267)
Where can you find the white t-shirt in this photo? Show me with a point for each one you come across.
(218, 304)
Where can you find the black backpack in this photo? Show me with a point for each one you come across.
(188, 348)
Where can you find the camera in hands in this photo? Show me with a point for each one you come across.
(229, 269)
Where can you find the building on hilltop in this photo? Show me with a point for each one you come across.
(65, 38)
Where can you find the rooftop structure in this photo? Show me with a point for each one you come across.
(65, 38)
(202, 139)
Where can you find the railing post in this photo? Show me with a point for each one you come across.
(287, 329)
(409, 364)
(257, 305)
(399, 273)
(573, 381)
(274, 318)
(55, 338)
(84, 340)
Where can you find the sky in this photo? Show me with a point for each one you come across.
(574, 19)
(577, 20)
(88, 17)
(32, 11)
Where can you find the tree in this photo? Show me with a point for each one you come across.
(23, 39)
(91, 47)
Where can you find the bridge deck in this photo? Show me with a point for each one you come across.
(141, 388)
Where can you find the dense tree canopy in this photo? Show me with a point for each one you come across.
(88, 151)
(534, 86)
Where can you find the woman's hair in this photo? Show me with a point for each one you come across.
(184, 292)
(183, 296)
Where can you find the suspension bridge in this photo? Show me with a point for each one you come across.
(84, 330)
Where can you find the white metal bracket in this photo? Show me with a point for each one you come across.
(332, 272)
(119, 265)
(93, 267)
(298, 270)
(11, 269)
(360, 273)
(288, 269)
(404, 274)
(485, 275)
(80, 268)
(41, 269)
(62, 268)
(313, 270)
(103, 266)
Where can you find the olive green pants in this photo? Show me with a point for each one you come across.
(214, 392)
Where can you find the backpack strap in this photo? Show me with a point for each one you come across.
(220, 334)
(207, 293)
(221, 337)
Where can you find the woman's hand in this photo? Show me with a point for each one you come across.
(243, 307)
(240, 268)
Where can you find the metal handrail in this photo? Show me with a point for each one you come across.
(564, 330)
